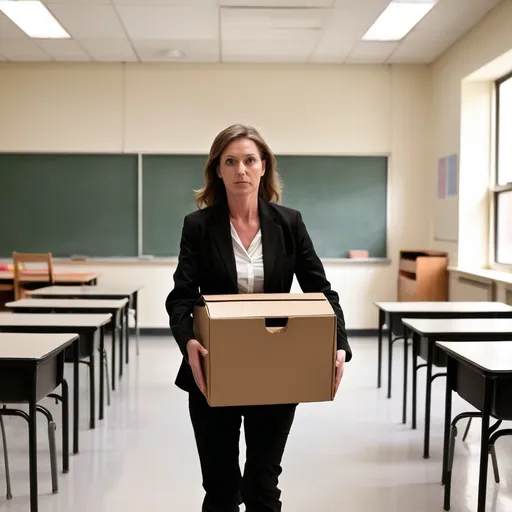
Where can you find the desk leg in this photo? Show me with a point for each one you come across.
(76, 394)
(114, 332)
(428, 398)
(32, 444)
(102, 373)
(484, 442)
(92, 385)
(390, 353)
(136, 308)
(127, 331)
(415, 341)
(379, 357)
(406, 355)
(447, 423)
(121, 342)
(65, 426)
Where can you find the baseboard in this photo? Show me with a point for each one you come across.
(166, 331)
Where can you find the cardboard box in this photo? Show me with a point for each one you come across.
(267, 348)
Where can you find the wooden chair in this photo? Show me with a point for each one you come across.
(22, 275)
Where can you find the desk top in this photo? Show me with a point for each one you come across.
(67, 304)
(428, 326)
(120, 290)
(444, 307)
(53, 320)
(60, 277)
(490, 356)
(33, 346)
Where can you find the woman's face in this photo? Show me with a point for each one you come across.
(241, 167)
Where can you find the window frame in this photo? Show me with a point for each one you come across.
(496, 189)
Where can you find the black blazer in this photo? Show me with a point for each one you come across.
(207, 266)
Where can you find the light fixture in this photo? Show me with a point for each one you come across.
(398, 19)
(34, 19)
(174, 54)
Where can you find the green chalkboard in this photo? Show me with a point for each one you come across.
(343, 201)
(168, 186)
(68, 204)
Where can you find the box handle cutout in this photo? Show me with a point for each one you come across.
(275, 325)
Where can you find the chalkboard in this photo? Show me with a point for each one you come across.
(168, 186)
(87, 204)
(68, 204)
(342, 200)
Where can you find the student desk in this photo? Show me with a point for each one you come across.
(481, 373)
(392, 313)
(116, 308)
(89, 328)
(62, 278)
(426, 332)
(102, 291)
(31, 367)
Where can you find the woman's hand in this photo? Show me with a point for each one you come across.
(195, 351)
(340, 365)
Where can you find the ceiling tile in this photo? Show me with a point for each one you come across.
(240, 34)
(9, 30)
(88, 21)
(115, 50)
(170, 22)
(267, 51)
(195, 51)
(167, 2)
(370, 51)
(273, 18)
(277, 3)
(64, 49)
(22, 50)
(77, 2)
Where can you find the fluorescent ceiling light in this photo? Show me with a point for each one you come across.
(34, 19)
(397, 20)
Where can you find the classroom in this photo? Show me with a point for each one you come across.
(396, 147)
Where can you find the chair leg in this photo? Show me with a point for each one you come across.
(492, 453)
(466, 432)
(6, 461)
(105, 361)
(53, 447)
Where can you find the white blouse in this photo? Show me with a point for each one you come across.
(249, 263)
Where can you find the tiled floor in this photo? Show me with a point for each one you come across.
(352, 455)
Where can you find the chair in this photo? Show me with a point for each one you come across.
(22, 274)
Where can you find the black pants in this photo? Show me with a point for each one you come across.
(217, 433)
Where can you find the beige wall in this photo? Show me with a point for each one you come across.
(299, 109)
(462, 94)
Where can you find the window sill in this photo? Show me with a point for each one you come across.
(488, 274)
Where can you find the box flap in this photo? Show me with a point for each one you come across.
(269, 309)
(253, 297)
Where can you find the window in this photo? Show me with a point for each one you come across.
(503, 183)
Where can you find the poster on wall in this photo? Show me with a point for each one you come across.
(447, 204)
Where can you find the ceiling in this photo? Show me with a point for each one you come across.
(269, 31)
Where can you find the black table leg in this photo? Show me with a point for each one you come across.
(484, 441)
(76, 395)
(447, 423)
(428, 398)
(121, 342)
(136, 308)
(415, 341)
(65, 426)
(379, 361)
(390, 353)
(406, 351)
(92, 387)
(127, 331)
(102, 372)
(114, 332)
(32, 443)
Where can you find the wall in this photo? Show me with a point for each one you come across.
(180, 108)
(462, 107)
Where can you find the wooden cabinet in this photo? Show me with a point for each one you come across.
(423, 275)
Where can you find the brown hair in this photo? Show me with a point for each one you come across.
(214, 191)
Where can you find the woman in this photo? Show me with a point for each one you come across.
(241, 241)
